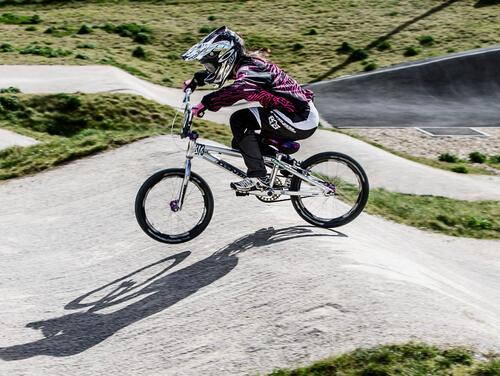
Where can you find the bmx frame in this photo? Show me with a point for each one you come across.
(207, 153)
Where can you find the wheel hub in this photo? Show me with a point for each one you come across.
(174, 205)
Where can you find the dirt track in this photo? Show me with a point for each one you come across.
(85, 292)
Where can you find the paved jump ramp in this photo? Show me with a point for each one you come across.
(459, 90)
(86, 292)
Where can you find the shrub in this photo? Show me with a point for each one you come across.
(451, 50)
(478, 223)
(139, 53)
(206, 29)
(10, 89)
(10, 103)
(172, 56)
(384, 45)
(82, 56)
(447, 157)
(30, 28)
(358, 54)
(130, 30)
(84, 29)
(297, 46)
(491, 368)
(495, 158)
(460, 169)
(46, 51)
(14, 19)
(426, 40)
(370, 66)
(411, 51)
(312, 32)
(142, 38)
(6, 47)
(477, 157)
(86, 45)
(446, 220)
(66, 125)
(345, 48)
(211, 18)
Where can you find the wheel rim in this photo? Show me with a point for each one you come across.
(340, 176)
(161, 207)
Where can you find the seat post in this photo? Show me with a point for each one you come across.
(279, 156)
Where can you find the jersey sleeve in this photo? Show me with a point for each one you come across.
(229, 95)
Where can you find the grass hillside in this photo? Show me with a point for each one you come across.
(311, 39)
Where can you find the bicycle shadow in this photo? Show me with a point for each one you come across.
(74, 333)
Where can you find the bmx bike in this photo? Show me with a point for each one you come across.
(175, 205)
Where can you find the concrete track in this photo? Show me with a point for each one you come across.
(384, 169)
(459, 90)
(85, 292)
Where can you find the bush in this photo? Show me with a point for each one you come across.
(139, 53)
(491, 368)
(345, 48)
(86, 45)
(46, 51)
(81, 56)
(426, 40)
(478, 223)
(10, 103)
(30, 28)
(130, 30)
(460, 169)
(142, 38)
(211, 18)
(10, 89)
(384, 45)
(84, 29)
(14, 19)
(358, 54)
(477, 157)
(206, 29)
(297, 46)
(6, 47)
(312, 32)
(411, 51)
(447, 157)
(494, 158)
(370, 66)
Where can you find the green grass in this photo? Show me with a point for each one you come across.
(411, 359)
(436, 163)
(73, 126)
(302, 35)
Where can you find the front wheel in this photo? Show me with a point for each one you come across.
(162, 217)
(346, 179)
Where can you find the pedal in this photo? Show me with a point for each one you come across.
(238, 193)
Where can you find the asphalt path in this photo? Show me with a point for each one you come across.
(457, 90)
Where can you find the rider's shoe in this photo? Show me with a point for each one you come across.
(250, 184)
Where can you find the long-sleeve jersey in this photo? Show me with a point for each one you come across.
(261, 81)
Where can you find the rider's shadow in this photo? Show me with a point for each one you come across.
(76, 332)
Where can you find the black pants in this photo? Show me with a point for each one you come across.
(244, 124)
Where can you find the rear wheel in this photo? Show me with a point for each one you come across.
(345, 177)
(158, 211)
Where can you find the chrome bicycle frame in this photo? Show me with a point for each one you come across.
(207, 152)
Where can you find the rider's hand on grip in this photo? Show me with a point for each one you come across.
(189, 84)
(199, 110)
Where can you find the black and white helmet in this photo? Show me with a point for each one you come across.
(219, 52)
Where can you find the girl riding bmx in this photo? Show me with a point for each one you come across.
(287, 110)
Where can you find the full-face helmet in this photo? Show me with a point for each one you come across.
(219, 52)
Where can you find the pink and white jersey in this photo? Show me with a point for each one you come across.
(260, 81)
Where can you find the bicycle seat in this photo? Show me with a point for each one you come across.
(281, 145)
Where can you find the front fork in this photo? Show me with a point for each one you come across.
(187, 169)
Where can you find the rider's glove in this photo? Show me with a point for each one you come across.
(197, 80)
(198, 110)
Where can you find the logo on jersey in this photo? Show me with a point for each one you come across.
(273, 123)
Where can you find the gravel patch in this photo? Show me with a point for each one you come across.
(416, 143)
